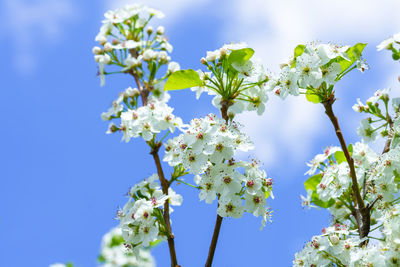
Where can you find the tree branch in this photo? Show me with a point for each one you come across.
(144, 92)
(362, 213)
(165, 185)
(224, 113)
(389, 140)
(214, 241)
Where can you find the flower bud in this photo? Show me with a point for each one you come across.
(204, 62)
(149, 30)
(136, 92)
(128, 92)
(148, 55)
(96, 50)
(105, 116)
(102, 40)
(160, 30)
(108, 47)
(115, 42)
(223, 51)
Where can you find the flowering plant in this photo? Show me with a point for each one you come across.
(358, 186)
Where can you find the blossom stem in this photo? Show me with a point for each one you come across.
(362, 212)
(183, 182)
(389, 140)
(165, 185)
(214, 241)
(144, 92)
(224, 112)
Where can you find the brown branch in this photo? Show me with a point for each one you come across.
(225, 104)
(165, 185)
(371, 205)
(362, 213)
(214, 241)
(389, 140)
(224, 113)
(144, 92)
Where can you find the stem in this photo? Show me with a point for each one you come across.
(362, 212)
(389, 140)
(224, 112)
(144, 92)
(214, 241)
(165, 185)
(183, 182)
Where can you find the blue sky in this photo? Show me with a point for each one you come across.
(62, 177)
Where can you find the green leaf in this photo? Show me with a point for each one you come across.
(101, 259)
(299, 50)
(155, 243)
(340, 157)
(116, 240)
(323, 204)
(350, 148)
(354, 54)
(183, 79)
(312, 97)
(240, 56)
(396, 177)
(312, 182)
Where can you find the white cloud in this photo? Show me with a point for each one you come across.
(273, 29)
(30, 25)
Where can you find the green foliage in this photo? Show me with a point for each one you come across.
(116, 241)
(240, 56)
(298, 51)
(155, 243)
(354, 54)
(311, 184)
(183, 79)
(396, 177)
(312, 97)
(340, 157)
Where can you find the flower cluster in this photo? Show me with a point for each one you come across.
(145, 121)
(241, 84)
(392, 44)
(338, 246)
(141, 219)
(206, 141)
(373, 107)
(206, 149)
(225, 181)
(331, 187)
(316, 162)
(115, 254)
(128, 41)
(314, 70)
(379, 182)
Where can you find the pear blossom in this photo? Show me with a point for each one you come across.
(115, 253)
